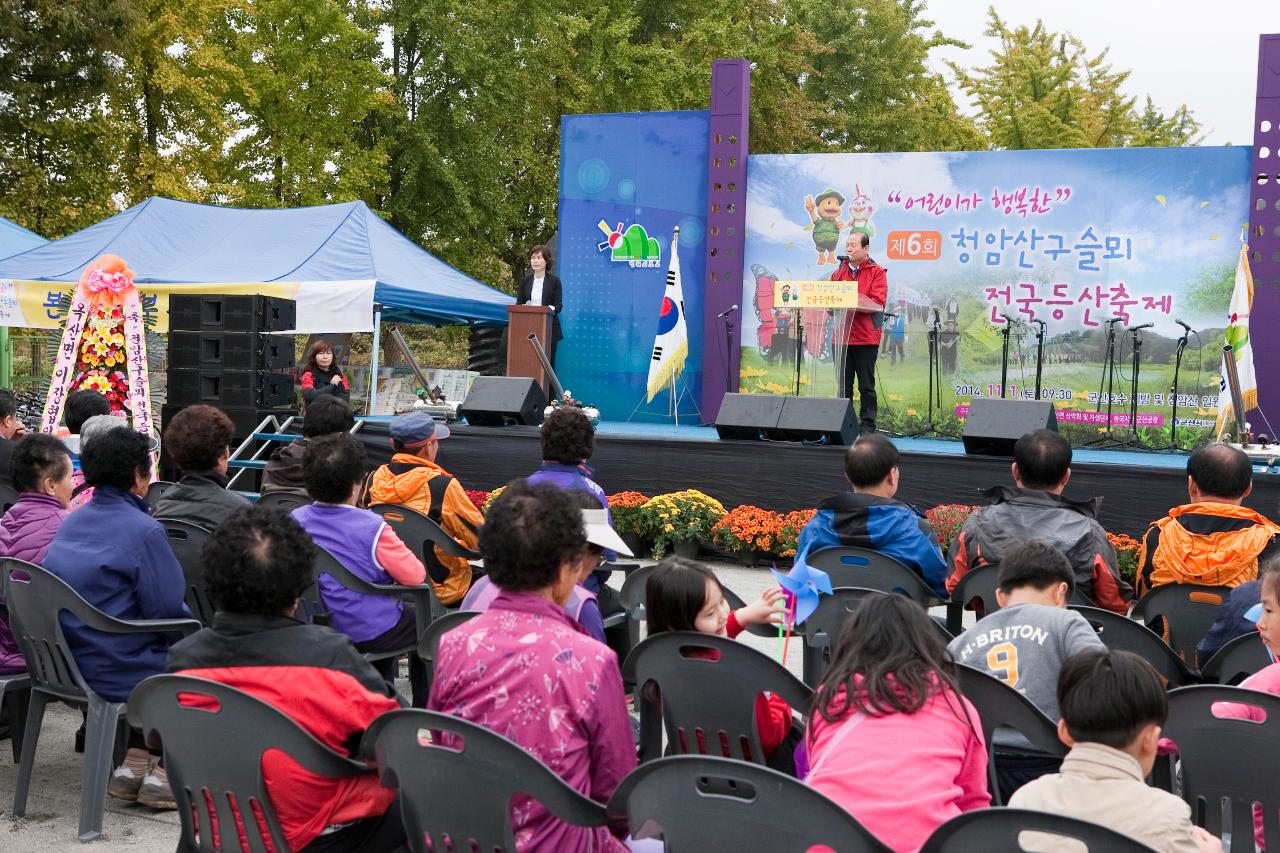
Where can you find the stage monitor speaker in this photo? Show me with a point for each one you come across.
(221, 313)
(230, 351)
(502, 400)
(749, 416)
(819, 420)
(247, 389)
(993, 426)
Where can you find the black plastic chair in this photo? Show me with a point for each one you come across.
(632, 596)
(866, 569)
(35, 603)
(423, 536)
(1000, 829)
(1119, 633)
(425, 604)
(15, 695)
(707, 705)
(460, 793)
(429, 643)
(979, 583)
(715, 805)
(287, 501)
(214, 739)
(8, 497)
(157, 489)
(1237, 660)
(1000, 705)
(1228, 759)
(822, 629)
(1185, 612)
(187, 541)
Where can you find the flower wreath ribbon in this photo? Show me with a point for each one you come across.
(106, 283)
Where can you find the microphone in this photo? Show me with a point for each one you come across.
(842, 258)
(1041, 323)
(888, 314)
(726, 312)
(1010, 320)
(937, 318)
(1143, 326)
(1114, 320)
(1183, 325)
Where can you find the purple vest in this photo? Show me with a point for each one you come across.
(351, 535)
(484, 591)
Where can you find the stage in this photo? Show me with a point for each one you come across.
(1137, 486)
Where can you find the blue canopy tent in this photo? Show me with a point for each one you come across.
(14, 238)
(175, 241)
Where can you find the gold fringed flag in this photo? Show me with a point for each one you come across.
(671, 343)
(1241, 350)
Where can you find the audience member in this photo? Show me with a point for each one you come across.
(117, 557)
(1234, 614)
(891, 739)
(870, 517)
(1113, 705)
(321, 375)
(582, 607)
(259, 565)
(413, 479)
(81, 405)
(1214, 540)
(12, 429)
(362, 542)
(42, 477)
(93, 427)
(1037, 509)
(325, 415)
(505, 668)
(1267, 679)
(1024, 644)
(568, 440)
(682, 595)
(198, 439)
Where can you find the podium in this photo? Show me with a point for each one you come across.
(522, 321)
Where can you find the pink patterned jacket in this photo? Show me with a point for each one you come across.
(524, 670)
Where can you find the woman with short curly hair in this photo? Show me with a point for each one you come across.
(199, 440)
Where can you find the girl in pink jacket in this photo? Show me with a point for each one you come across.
(890, 738)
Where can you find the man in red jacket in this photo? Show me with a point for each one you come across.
(861, 329)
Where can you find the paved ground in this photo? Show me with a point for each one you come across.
(53, 806)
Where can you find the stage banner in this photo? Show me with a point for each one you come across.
(1070, 238)
(323, 306)
(626, 182)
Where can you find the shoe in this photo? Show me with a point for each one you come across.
(155, 792)
(80, 739)
(124, 784)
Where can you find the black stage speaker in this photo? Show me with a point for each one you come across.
(221, 313)
(245, 389)
(749, 416)
(993, 426)
(500, 400)
(230, 351)
(821, 420)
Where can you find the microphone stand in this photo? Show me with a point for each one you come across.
(1135, 439)
(935, 381)
(799, 327)
(728, 350)
(1107, 381)
(1173, 389)
(1039, 354)
(1004, 358)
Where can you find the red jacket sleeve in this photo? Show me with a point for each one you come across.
(878, 286)
(733, 627)
(308, 380)
(773, 721)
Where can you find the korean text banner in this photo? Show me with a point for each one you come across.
(323, 306)
(1072, 238)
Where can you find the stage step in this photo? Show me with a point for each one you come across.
(254, 464)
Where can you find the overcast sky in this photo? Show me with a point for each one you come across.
(1202, 54)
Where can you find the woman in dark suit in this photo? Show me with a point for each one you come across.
(540, 287)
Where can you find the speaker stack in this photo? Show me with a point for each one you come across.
(993, 426)
(817, 420)
(225, 351)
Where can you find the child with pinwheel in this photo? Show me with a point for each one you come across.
(682, 595)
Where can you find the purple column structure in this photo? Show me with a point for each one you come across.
(726, 229)
(1264, 228)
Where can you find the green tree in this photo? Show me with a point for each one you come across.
(1044, 90)
(169, 99)
(57, 146)
(308, 97)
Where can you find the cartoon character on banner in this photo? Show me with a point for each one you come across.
(826, 224)
(860, 211)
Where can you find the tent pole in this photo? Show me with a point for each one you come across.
(6, 359)
(373, 359)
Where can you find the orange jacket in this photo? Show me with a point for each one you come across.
(1210, 544)
(404, 482)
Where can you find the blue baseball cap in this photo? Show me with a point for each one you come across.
(417, 428)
